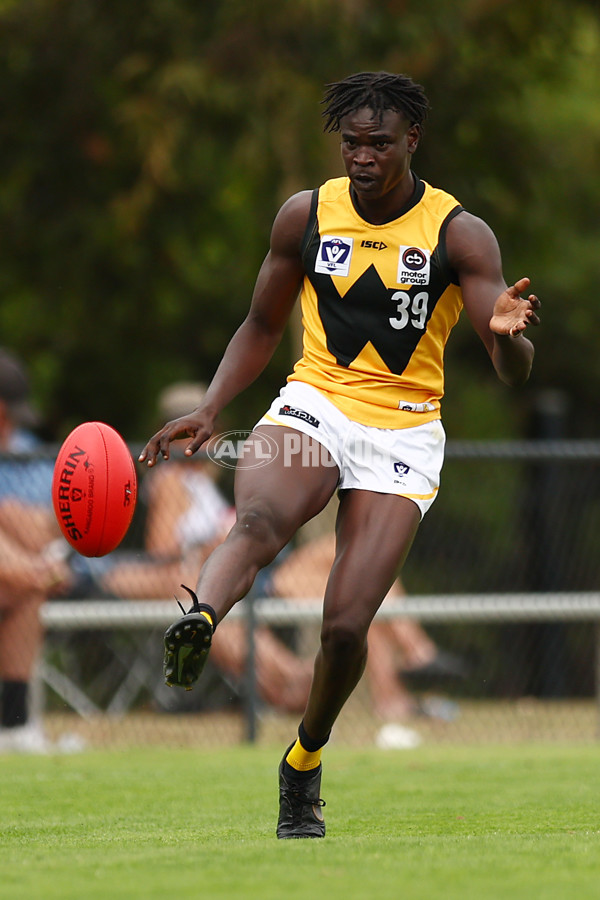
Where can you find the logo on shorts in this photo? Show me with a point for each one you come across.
(334, 255)
(401, 470)
(288, 410)
(413, 266)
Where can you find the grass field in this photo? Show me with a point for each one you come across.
(437, 822)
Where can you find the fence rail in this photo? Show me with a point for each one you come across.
(563, 606)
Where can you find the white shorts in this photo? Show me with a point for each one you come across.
(403, 461)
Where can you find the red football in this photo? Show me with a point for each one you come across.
(94, 488)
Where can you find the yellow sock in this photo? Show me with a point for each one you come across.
(206, 616)
(303, 760)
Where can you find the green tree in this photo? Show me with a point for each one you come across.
(146, 146)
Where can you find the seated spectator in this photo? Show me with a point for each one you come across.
(26, 574)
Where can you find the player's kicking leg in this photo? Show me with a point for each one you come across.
(272, 502)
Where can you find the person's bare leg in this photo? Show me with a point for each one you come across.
(374, 533)
(22, 571)
(30, 525)
(272, 502)
(282, 678)
(390, 698)
(20, 635)
(414, 643)
(304, 572)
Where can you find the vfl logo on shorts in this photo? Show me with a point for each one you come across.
(334, 255)
(288, 410)
(401, 470)
(413, 266)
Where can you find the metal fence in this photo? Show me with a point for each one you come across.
(502, 580)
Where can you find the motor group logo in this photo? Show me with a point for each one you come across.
(243, 449)
(413, 265)
(334, 255)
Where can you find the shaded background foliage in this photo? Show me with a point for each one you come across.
(145, 148)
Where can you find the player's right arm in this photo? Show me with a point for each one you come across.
(254, 343)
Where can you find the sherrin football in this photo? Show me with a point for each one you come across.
(94, 488)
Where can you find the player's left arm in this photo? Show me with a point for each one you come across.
(498, 313)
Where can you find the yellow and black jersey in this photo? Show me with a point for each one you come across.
(378, 304)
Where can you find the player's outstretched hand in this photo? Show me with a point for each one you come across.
(193, 426)
(513, 313)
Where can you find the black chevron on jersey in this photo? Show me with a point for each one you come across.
(349, 323)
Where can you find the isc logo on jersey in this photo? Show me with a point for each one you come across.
(413, 266)
(334, 255)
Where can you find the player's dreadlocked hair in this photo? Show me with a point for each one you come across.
(377, 90)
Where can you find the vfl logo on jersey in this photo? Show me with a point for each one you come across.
(413, 266)
(288, 410)
(334, 255)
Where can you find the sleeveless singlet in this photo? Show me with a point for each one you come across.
(378, 303)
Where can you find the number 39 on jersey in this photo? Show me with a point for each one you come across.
(410, 308)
